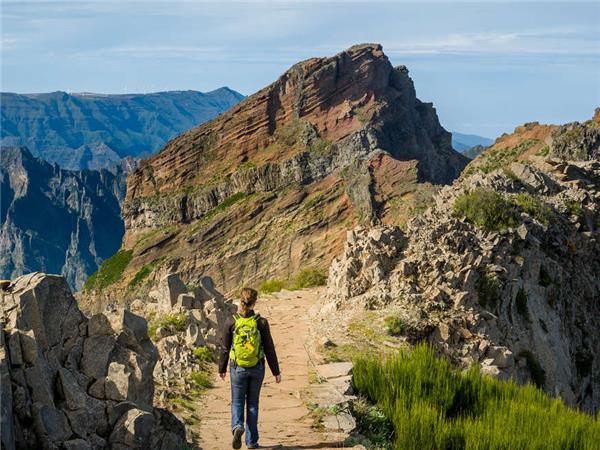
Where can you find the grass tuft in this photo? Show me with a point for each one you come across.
(306, 278)
(433, 406)
(203, 354)
(175, 323)
(394, 325)
(201, 379)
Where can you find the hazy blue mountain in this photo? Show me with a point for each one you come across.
(55, 220)
(94, 131)
(463, 142)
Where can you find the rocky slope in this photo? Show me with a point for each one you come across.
(55, 220)
(271, 186)
(503, 270)
(73, 382)
(94, 131)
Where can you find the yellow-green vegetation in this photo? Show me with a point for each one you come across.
(306, 278)
(175, 323)
(394, 325)
(533, 207)
(225, 204)
(272, 285)
(309, 277)
(434, 406)
(143, 273)
(486, 208)
(202, 379)
(494, 159)
(203, 354)
(110, 271)
(146, 238)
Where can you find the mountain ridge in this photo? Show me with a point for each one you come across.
(271, 185)
(90, 130)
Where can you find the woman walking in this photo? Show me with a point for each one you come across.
(246, 343)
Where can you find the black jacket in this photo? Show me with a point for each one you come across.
(265, 339)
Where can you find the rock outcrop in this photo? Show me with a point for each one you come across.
(76, 383)
(202, 312)
(54, 220)
(513, 286)
(270, 186)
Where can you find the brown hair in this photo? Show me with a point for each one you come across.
(248, 300)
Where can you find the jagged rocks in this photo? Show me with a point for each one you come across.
(519, 301)
(203, 311)
(65, 373)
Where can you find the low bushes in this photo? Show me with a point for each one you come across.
(492, 211)
(433, 406)
(306, 278)
(487, 209)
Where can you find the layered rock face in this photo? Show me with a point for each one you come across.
(55, 220)
(95, 131)
(523, 300)
(271, 185)
(76, 383)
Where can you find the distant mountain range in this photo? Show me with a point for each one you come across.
(464, 142)
(94, 131)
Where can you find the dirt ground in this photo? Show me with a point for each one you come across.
(285, 421)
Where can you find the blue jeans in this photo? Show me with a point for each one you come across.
(245, 389)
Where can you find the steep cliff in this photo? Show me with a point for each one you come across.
(95, 131)
(55, 220)
(73, 382)
(271, 185)
(503, 270)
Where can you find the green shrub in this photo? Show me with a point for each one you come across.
(309, 277)
(486, 208)
(538, 374)
(175, 323)
(202, 380)
(273, 285)
(488, 289)
(394, 325)
(534, 207)
(434, 406)
(521, 302)
(110, 271)
(203, 354)
(373, 423)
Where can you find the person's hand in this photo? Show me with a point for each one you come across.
(278, 379)
(222, 375)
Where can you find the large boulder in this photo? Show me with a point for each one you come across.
(62, 374)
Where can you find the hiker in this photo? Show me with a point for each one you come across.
(246, 343)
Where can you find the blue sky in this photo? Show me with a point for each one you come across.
(486, 66)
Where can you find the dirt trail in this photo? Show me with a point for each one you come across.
(284, 420)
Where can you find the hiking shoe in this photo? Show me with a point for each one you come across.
(252, 446)
(237, 437)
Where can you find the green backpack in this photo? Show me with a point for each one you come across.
(246, 350)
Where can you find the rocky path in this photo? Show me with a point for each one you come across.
(285, 421)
